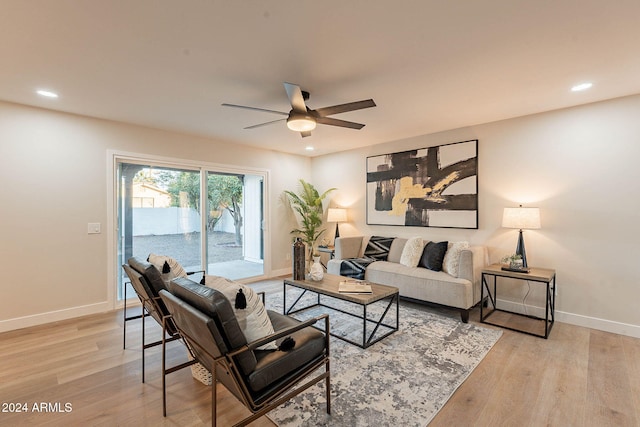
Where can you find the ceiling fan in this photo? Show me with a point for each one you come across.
(303, 119)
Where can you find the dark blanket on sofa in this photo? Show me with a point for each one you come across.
(377, 250)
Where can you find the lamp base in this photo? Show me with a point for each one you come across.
(520, 250)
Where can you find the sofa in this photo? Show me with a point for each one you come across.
(454, 282)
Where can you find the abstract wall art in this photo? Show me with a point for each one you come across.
(427, 187)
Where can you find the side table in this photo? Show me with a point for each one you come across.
(536, 275)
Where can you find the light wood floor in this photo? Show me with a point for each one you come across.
(578, 377)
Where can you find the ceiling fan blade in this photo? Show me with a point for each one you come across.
(338, 122)
(343, 108)
(255, 109)
(305, 134)
(264, 124)
(295, 97)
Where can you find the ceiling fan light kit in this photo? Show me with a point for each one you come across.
(301, 122)
(303, 119)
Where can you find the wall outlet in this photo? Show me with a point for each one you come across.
(93, 228)
(287, 256)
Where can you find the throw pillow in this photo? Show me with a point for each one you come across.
(411, 252)
(433, 255)
(395, 251)
(168, 267)
(378, 248)
(452, 257)
(253, 319)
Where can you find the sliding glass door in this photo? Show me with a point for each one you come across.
(234, 225)
(159, 211)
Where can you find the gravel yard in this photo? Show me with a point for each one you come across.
(185, 248)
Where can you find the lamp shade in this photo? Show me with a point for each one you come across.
(522, 218)
(336, 215)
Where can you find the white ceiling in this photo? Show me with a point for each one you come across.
(430, 65)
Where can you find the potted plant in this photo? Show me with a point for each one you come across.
(514, 261)
(308, 204)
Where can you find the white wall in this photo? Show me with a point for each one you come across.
(53, 169)
(581, 166)
(172, 220)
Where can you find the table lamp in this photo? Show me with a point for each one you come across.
(521, 218)
(337, 215)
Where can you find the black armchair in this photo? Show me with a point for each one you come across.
(147, 282)
(260, 379)
(125, 317)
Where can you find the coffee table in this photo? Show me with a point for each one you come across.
(328, 288)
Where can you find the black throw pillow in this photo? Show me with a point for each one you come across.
(433, 255)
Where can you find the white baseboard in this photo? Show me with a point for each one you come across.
(70, 313)
(599, 324)
(52, 316)
(564, 317)
(574, 319)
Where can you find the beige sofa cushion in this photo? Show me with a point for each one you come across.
(423, 284)
(395, 251)
(350, 247)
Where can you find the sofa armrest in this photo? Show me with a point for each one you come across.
(472, 261)
(348, 247)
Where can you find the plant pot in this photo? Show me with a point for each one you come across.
(516, 264)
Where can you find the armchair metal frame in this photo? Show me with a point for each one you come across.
(126, 318)
(151, 306)
(224, 365)
(144, 312)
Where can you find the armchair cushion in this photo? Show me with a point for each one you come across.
(215, 304)
(274, 365)
(253, 319)
(151, 274)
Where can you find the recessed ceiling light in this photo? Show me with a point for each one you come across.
(309, 148)
(47, 93)
(581, 86)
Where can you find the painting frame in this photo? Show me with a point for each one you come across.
(434, 186)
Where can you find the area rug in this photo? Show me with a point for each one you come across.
(402, 380)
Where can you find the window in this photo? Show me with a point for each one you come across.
(159, 210)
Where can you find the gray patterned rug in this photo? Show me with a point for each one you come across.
(403, 380)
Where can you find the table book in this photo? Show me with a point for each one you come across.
(354, 287)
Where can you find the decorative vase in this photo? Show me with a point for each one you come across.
(316, 272)
(298, 259)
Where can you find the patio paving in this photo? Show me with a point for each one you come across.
(225, 257)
